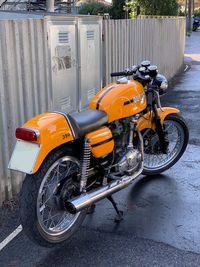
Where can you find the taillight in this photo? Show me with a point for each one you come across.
(26, 134)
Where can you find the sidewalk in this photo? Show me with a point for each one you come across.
(186, 93)
(192, 50)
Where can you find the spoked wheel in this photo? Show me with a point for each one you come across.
(43, 216)
(155, 161)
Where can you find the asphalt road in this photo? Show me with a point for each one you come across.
(161, 226)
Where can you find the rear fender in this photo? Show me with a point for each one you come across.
(54, 131)
(146, 121)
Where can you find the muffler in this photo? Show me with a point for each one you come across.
(87, 199)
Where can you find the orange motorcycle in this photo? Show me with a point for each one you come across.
(72, 161)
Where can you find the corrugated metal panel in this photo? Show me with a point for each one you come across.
(24, 87)
(128, 42)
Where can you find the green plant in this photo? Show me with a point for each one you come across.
(117, 9)
(154, 7)
(197, 12)
(94, 8)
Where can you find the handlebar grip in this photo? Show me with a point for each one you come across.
(122, 73)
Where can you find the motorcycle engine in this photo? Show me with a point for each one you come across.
(127, 161)
(130, 162)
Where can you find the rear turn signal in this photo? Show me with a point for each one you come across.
(26, 134)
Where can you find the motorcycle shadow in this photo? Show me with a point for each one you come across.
(147, 197)
(146, 181)
(150, 188)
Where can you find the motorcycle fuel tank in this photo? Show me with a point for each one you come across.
(120, 100)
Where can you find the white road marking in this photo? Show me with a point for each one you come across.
(186, 67)
(10, 237)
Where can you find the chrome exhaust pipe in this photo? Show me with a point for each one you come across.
(87, 199)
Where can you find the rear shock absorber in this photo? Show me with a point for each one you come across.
(85, 164)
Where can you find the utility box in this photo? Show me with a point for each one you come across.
(89, 39)
(75, 60)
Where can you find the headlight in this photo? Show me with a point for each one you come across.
(162, 82)
(164, 85)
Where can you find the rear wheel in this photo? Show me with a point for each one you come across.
(155, 161)
(42, 200)
(194, 28)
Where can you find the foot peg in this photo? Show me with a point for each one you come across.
(120, 215)
(114, 177)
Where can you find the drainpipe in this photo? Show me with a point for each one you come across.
(189, 26)
(50, 5)
(186, 6)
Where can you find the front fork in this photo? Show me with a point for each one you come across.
(160, 131)
(152, 104)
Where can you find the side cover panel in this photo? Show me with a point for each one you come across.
(54, 131)
(146, 122)
(101, 142)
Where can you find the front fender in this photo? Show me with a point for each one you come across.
(54, 131)
(146, 121)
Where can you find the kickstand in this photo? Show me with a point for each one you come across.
(119, 216)
(91, 209)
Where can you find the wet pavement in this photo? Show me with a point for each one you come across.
(161, 226)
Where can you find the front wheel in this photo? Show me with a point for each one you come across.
(155, 162)
(42, 212)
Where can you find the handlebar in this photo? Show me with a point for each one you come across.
(138, 76)
(122, 73)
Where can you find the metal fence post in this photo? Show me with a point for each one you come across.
(50, 5)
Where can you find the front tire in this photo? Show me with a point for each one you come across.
(155, 162)
(43, 217)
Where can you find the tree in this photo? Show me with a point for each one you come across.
(117, 9)
(94, 8)
(154, 7)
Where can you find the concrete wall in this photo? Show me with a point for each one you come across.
(25, 82)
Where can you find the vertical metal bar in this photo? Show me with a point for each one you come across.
(50, 5)
(189, 25)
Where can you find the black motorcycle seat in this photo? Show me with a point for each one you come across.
(87, 121)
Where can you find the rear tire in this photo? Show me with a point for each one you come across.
(180, 124)
(195, 28)
(29, 212)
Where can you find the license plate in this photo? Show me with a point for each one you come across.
(24, 156)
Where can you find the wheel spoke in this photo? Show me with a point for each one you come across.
(50, 217)
(153, 158)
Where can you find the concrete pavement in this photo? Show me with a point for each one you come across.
(162, 215)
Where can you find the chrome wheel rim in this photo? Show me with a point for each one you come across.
(157, 160)
(52, 218)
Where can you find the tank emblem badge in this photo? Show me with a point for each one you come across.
(135, 99)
